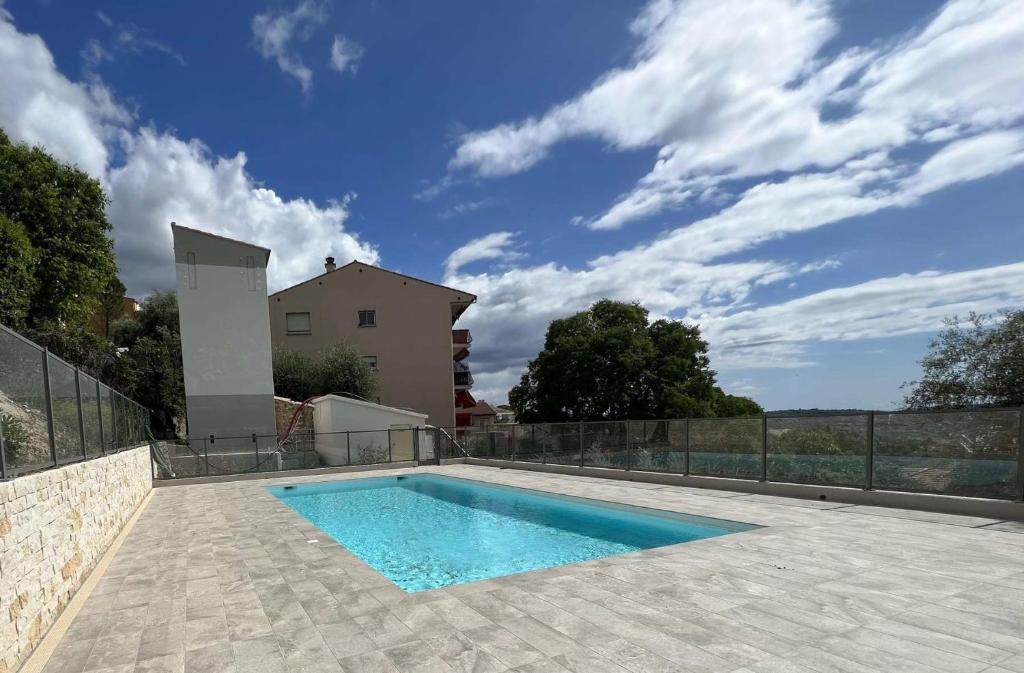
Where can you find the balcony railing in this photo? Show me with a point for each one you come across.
(463, 379)
(461, 338)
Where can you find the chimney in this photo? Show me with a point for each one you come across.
(330, 265)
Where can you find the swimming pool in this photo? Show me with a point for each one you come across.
(425, 531)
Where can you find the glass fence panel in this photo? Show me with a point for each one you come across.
(107, 415)
(658, 446)
(828, 450)
(90, 415)
(525, 445)
(726, 447)
(475, 442)
(604, 444)
(23, 404)
(401, 444)
(120, 422)
(560, 442)
(445, 444)
(968, 453)
(502, 442)
(64, 405)
(369, 447)
(139, 414)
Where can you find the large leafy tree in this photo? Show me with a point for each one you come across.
(338, 369)
(610, 362)
(61, 210)
(976, 362)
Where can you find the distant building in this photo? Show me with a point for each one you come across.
(107, 314)
(505, 414)
(225, 336)
(480, 415)
(401, 325)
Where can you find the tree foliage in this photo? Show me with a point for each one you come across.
(149, 366)
(61, 211)
(976, 362)
(17, 273)
(111, 305)
(338, 369)
(610, 362)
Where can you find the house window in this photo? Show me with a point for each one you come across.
(190, 262)
(297, 323)
(367, 318)
(250, 272)
(371, 361)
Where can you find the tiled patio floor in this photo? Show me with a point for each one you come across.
(223, 577)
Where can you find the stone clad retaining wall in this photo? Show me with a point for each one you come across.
(54, 527)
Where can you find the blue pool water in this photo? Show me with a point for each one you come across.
(428, 531)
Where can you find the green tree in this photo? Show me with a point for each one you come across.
(111, 305)
(338, 369)
(62, 211)
(17, 273)
(610, 362)
(725, 404)
(149, 368)
(977, 362)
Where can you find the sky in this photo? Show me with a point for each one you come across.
(817, 184)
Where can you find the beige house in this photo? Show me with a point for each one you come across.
(401, 325)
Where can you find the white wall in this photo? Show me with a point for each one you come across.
(225, 337)
(225, 334)
(362, 431)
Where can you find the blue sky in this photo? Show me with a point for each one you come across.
(817, 184)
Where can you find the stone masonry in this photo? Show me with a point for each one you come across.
(284, 409)
(54, 527)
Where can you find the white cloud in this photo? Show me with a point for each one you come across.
(94, 53)
(464, 208)
(732, 89)
(678, 273)
(166, 179)
(345, 54)
(159, 178)
(275, 33)
(491, 246)
(968, 159)
(125, 38)
(884, 307)
(38, 105)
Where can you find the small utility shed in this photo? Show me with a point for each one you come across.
(354, 432)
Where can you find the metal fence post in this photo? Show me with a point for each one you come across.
(99, 417)
(389, 446)
(206, 453)
(533, 440)
(49, 405)
(1020, 457)
(870, 458)
(416, 445)
(510, 450)
(3, 454)
(686, 447)
(257, 448)
(113, 421)
(764, 447)
(581, 443)
(348, 446)
(629, 449)
(81, 417)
